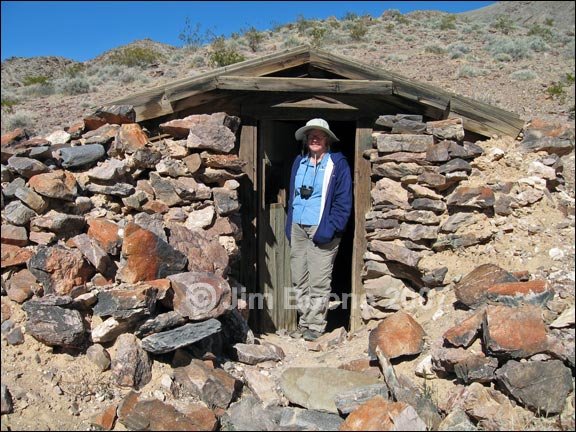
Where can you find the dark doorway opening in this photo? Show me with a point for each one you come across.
(279, 147)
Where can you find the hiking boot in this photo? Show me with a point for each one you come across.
(297, 334)
(311, 335)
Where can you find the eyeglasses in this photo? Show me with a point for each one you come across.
(316, 137)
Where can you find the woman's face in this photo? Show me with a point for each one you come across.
(317, 141)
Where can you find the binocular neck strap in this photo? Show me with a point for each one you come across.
(306, 171)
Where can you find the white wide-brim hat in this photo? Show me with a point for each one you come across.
(315, 124)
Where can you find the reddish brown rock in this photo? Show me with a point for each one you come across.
(379, 414)
(536, 292)
(517, 332)
(57, 184)
(398, 335)
(463, 334)
(60, 269)
(22, 286)
(14, 235)
(12, 138)
(472, 289)
(14, 255)
(106, 419)
(130, 138)
(107, 233)
(147, 256)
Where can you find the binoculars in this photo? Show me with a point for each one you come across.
(306, 191)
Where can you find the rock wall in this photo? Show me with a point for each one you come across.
(422, 201)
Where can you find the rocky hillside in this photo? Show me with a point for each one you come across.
(449, 374)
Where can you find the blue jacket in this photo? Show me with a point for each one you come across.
(336, 199)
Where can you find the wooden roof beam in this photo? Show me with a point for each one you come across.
(305, 85)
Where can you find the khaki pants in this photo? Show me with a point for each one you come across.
(311, 266)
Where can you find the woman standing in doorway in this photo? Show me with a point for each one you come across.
(318, 212)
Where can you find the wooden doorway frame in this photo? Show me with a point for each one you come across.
(249, 152)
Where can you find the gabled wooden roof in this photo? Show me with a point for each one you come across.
(303, 80)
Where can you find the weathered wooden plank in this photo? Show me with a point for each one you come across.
(485, 119)
(157, 102)
(247, 152)
(312, 85)
(362, 203)
(478, 117)
(402, 86)
(216, 98)
(284, 314)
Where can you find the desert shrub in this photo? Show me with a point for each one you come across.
(389, 27)
(128, 76)
(221, 55)
(556, 89)
(537, 30)
(302, 24)
(176, 58)
(171, 74)
(39, 90)
(435, 49)
(349, 16)
(402, 19)
(106, 72)
(74, 70)
(396, 57)
(74, 86)
(20, 119)
(484, 97)
(537, 44)
(517, 48)
(472, 58)
(317, 36)
(334, 24)
(338, 39)
(194, 37)
(291, 41)
(198, 61)
(9, 100)
(503, 57)
(448, 22)
(254, 38)
(468, 71)
(503, 25)
(135, 56)
(457, 50)
(276, 26)
(472, 28)
(358, 30)
(33, 80)
(523, 75)
(8, 104)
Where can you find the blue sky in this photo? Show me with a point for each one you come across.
(82, 30)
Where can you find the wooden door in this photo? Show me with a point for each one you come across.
(276, 151)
